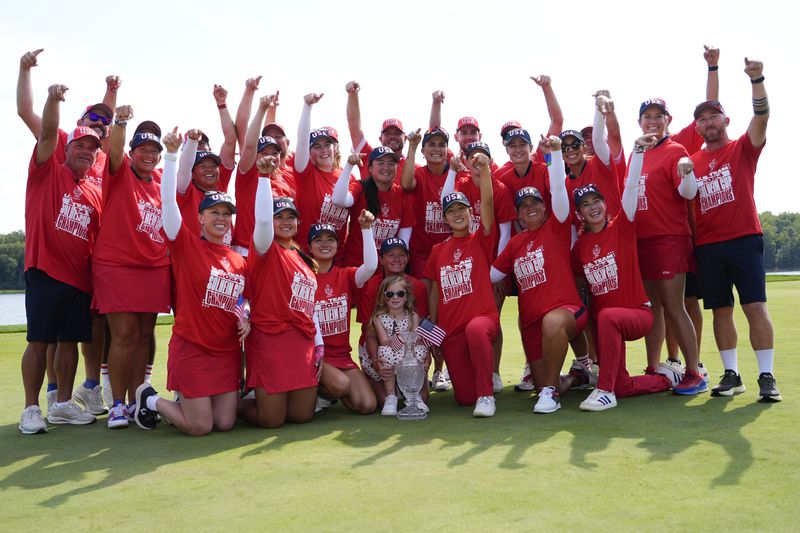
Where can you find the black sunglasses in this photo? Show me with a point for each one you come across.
(391, 294)
(102, 118)
(574, 146)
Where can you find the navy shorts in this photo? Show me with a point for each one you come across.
(692, 288)
(737, 262)
(56, 311)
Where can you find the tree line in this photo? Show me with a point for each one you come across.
(781, 248)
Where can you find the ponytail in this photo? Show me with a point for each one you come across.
(371, 195)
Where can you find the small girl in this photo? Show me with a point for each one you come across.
(394, 314)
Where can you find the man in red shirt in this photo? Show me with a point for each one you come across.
(729, 243)
(57, 281)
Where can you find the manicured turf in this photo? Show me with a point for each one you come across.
(655, 463)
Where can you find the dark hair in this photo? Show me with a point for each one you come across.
(371, 194)
(307, 259)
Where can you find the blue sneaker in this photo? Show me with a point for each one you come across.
(118, 417)
(692, 383)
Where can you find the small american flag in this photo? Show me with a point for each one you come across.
(396, 343)
(242, 309)
(430, 333)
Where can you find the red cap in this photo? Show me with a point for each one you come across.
(392, 123)
(468, 121)
(272, 125)
(508, 126)
(83, 131)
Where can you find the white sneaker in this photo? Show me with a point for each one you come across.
(51, 396)
(525, 381)
(118, 417)
(108, 396)
(31, 421)
(484, 407)
(497, 383)
(446, 374)
(439, 384)
(703, 371)
(390, 406)
(322, 404)
(69, 413)
(548, 401)
(599, 400)
(90, 399)
(673, 371)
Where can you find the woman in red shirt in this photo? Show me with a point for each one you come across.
(205, 350)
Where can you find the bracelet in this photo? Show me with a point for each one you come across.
(638, 148)
(222, 106)
(122, 123)
(757, 80)
(713, 68)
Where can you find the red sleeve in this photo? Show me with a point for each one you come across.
(504, 261)
(430, 265)
(39, 172)
(363, 168)
(224, 177)
(407, 219)
(356, 189)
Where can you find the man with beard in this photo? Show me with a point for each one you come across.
(729, 242)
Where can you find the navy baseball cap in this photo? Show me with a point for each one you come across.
(265, 141)
(708, 104)
(199, 156)
(101, 108)
(145, 137)
(321, 133)
(435, 132)
(282, 203)
(581, 193)
(527, 192)
(381, 151)
(454, 198)
(316, 229)
(570, 133)
(653, 102)
(148, 126)
(213, 198)
(517, 133)
(478, 146)
(394, 242)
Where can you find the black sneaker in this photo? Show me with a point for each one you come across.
(145, 418)
(729, 384)
(768, 392)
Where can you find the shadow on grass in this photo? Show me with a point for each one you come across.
(89, 459)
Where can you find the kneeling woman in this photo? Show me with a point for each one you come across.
(461, 295)
(283, 364)
(607, 258)
(204, 352)
(336, 291)
(550, 310)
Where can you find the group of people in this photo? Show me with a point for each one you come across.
(597, 248)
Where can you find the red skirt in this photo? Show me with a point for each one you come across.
(127, 289)
(664, 257)
(198, 373)
(280, 362)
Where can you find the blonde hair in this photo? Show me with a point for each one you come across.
(380, 298)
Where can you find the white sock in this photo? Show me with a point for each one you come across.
(730, 361)
(148, 373)
(151, 402)
(585, 361)
(765, 358)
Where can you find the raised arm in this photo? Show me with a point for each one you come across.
(614, 138)
(435, 119)
(48, 135)
(116, 148)
(25, 92)
(711, 55)
(187, 160)
(250, 148)
(272, 109)
(370, 264)
(450, 181)
(553, 108)
(407, 179)
(341, 196)
(170, 212)
(559, 199)
(243, 111)
(630, 194)
(302, 154)
(354, 114)
(601, 148)
(264, 231)
(227, 152)
(487, 195)
(757, 130)
(113, 83)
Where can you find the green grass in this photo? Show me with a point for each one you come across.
(658, 463)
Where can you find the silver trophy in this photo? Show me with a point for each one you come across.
(410, 377)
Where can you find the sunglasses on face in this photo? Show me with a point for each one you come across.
(391, 294)
(95, 117)
(574, 146)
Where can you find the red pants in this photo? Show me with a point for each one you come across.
(612, 327)
(469, 358)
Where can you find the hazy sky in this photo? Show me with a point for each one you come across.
(169, 55)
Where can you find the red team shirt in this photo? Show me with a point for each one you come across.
(426, 201)
(724, 207)
(209, 278)
(605, 177)
(62, 215)
(460, 266)
(609, 262)
(335, 296)
(540, 260)
(363, 168)
(315, 204)
(661, 210)
(536, 175)
(503, 205)
(396, 212)
(246, 185)
(95, 174)
(189, 203)
(282, 289)
(131, 227)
